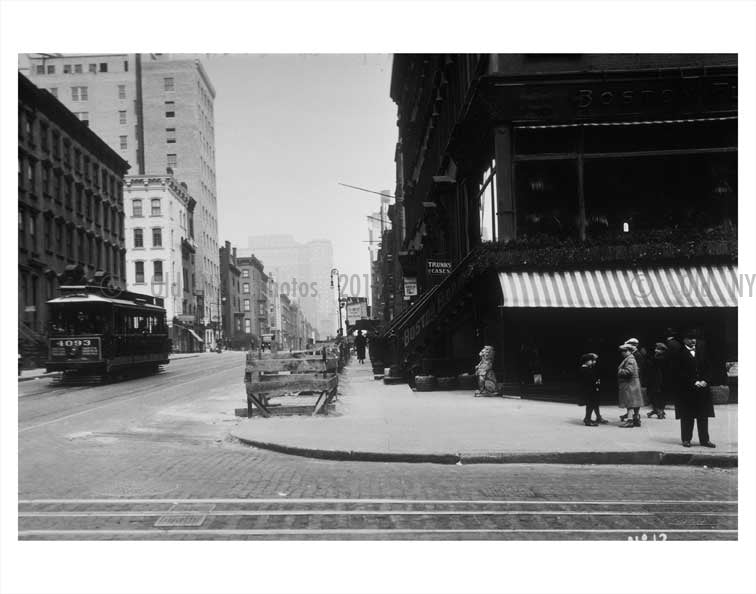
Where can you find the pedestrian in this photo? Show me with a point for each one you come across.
(359, 344)
(656, 387)
(590, 389)
(690, 375)
(630, 395)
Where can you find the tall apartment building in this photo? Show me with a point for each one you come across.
(155, 111)
(70, 203)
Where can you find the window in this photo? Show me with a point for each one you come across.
(103, 66)
(139, 272)
(171, 160)
(66, 69)
(122, 117)
(79, 94)
(155, 207)
(89, 207)
(170, 109)
(50, 69)
(93, 68)
(123, 140)
(245, 287)
(40, 69)
(59, 236)
(138, 238)
(48, 233)
(80, 246)
(69, 242)
(78, 68)
(246, 305)
(157, 237)
(136, 208)
(157, 271)
(83, 116)
(53, 91)
(122, 91)
(170, 135)
(79, 200)
(46, 180)
(168, 84)
(125, 65)
(247, 326)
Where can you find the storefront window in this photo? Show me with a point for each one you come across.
(547, 199)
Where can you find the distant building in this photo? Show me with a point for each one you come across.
(70, 204)
(254, 292)
(157, 113)
(302, 271)
(159, 221)
(232, 315)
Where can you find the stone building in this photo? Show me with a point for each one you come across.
(159, 229)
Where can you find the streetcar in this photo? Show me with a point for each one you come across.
(96, 331)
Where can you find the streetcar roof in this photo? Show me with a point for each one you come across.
(91, 298)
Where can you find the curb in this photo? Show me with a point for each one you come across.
(42, 375)
(647, 458)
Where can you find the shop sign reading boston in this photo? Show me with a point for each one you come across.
(664, 96)
(439, 267)
(438, 302)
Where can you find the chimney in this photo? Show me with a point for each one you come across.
(234, 253)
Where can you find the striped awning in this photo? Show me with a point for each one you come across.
(696, 286)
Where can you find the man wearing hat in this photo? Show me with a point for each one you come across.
(591, 389)
(690, 375)
(656, 387)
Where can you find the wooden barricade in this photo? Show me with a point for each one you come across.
(290, 374)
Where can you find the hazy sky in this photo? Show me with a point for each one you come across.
(288, 128)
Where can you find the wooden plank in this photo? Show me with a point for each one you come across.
(258, 403)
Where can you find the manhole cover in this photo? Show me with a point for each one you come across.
(183, 515)
(180, 520)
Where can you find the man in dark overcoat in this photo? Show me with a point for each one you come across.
(690, 374)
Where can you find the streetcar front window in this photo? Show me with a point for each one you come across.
(72, 320)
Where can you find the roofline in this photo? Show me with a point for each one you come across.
(45, 103)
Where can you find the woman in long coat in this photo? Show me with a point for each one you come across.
(630, 393)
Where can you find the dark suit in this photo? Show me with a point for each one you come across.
(692, 405)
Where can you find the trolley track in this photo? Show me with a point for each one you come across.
(375, 519)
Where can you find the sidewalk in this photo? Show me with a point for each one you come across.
(39, 372)
(381, 422)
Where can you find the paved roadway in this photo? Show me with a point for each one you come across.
(150, 458)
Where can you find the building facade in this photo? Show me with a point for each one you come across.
(231, 300)
(156, 111)
(159, 215)
(70, 204)
(552, 202)
(254, 292)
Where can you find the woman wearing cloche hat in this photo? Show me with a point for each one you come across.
(630, 394)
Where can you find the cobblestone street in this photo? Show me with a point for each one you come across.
(152, 459)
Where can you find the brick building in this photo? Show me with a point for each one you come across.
(70, 204)
(233, 318)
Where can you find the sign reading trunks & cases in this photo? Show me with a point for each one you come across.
(438, 302)
(439, 267)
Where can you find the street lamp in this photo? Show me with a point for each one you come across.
(338, 288)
